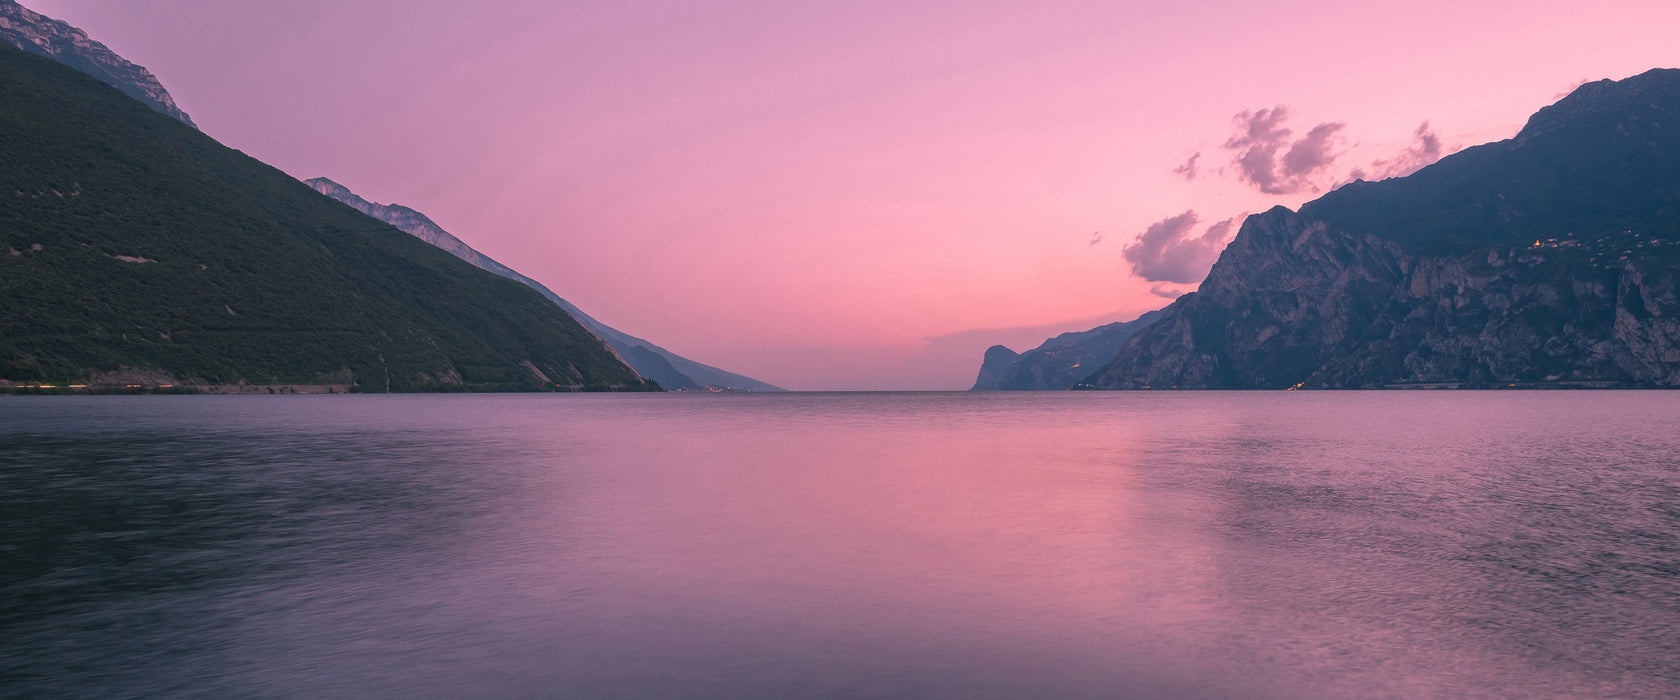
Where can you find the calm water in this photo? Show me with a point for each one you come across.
(940, 545)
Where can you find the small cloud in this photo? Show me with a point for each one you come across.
(1313, 153)
(1571, 89)
(1424, 149)
(1221, 230)
(1171, 251)
(1261, 135)
(1166, 292)
(1096, 238)
(1188, 171)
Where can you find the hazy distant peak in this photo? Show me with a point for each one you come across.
(1058, 363)
(669, 369)
(57, 40)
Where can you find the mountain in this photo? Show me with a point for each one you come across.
(45, 36)
(135, 250)
(1548, 259)
(670, 370)
(994, 367)
(1060, 362)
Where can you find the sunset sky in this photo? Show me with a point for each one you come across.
(861, 195)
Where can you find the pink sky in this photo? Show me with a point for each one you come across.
(846, 195)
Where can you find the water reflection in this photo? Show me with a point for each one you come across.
(1167, 545)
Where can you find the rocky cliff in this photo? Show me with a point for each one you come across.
(994, 368)
(1549, 259)
(45, 36)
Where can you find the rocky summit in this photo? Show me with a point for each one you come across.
(57, 40)
(1546, 260)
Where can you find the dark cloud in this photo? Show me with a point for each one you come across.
(1424, 149)
(1221, 230)
(1261, 136)
(1171, 251)
(1188, 171)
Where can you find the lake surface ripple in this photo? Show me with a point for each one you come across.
(1270, 545)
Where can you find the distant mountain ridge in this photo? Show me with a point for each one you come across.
(1060, 362)
(138, 253)
(670, 370)
(1551, 259)
(57, 40)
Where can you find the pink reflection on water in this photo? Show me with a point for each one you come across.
(1173, 545)
(1336, 544)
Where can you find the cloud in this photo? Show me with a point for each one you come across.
(1221, 230)
(1424, 149)
(1261, 135)
(1096, 238)
(1170, 251)
(1572, 88)
(1166, 291)
(1314, 153)
(1188, 171)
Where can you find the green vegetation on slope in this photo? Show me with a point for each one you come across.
(131, 241)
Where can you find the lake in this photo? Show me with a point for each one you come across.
(1157, 544)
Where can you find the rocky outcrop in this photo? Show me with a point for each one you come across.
(1546, 260)
(57, 40)
(994, 369)
(418, 225)
(672, 371)
(1648, 322)
(1060, 362)
(1297, 303)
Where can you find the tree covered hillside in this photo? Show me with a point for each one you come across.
(131, 242)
